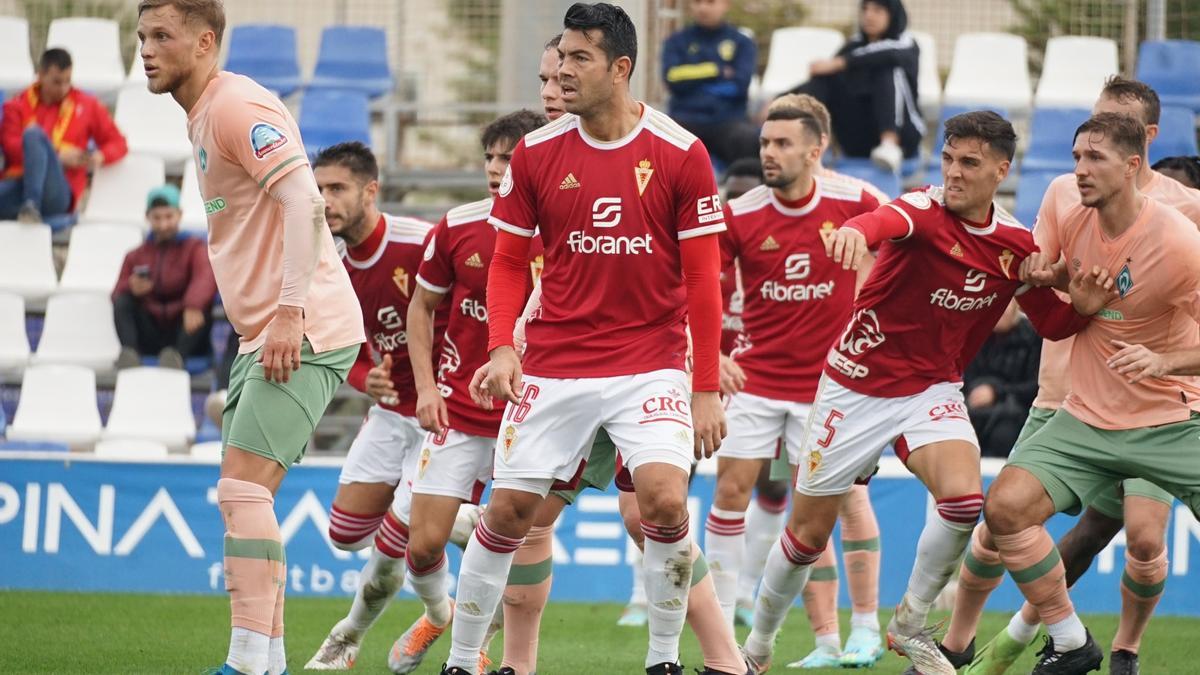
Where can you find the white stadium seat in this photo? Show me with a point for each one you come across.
(152, 404)
(792, 50)
(119, 191)
(209, 451)
(58, 404)
(1074, 71)
(989, 70)
(27, 262)
(79, 330)
(95, 47)
(139, 450)
(191, 203)
(153, 125)
(929, 83)
(16, 68)
(14, 341)
(94, 256)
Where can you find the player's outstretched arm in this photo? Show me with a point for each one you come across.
(1039, 269)
(431, 407)
(851, 244)
(505, 294)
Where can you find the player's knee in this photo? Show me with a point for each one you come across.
(423, 554)
(1145, 544)
(731, 494)
(664, 508)
(509, 517)
(1004, 512)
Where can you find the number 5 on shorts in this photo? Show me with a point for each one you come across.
(830, 430)
(518, 412)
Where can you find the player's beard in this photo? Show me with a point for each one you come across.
(781, 181)
(162, 85)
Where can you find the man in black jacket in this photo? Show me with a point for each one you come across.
(870, 87)
(1001, 382)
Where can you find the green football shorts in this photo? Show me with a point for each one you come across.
(600, 470)
(276, 419)
(1109, 501)
(1076, 463)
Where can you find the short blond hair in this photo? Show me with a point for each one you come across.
(806, 104)
(211, 13)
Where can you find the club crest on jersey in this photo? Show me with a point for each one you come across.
(265, 139)
(1006, 258)
(400, 276)
(474, 261)
(827, 229)
(918, 199)
(726, 49)
(814, 462)
(506, 183)
(510, 439)
(1124, 281)
(203, 156)
(643, 172)
(423, 462)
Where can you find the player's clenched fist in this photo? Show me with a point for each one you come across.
(379, 383)
(847, 246)
(504, 381)
(708, 421)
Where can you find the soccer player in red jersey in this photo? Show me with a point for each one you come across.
(949, 262)
(627, 206)
(795, 302)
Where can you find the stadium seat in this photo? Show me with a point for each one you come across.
(1051, 137)
(137, 70)
(27, 262)
(209, 451)
(79, 330)
(353, 58)
(330, 116)
(33, 446)
(1074, 71)
(119, 191)
(16, 68)
(194, 220)
(57, 404)
(792, 50)
(94, 257)
(14, 341)
(1176, 134)
(1170, 67)
(929, 83)
(152, 404)
(1031, 187)
(265, 53)
(95, 47)
(131, 449)
(154, 125)
(865, 169)
(989, 70)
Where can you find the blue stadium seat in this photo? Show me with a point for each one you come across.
(1176, 134)
(265, 53)
(33, 446)
(332, 116)
(1051, 137)
(865, 169)
(935, 157)
(354, 58)
(1031, 187)
(1170, 67)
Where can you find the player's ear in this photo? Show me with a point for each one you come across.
(622, 69)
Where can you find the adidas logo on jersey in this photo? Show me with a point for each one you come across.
(956, 250)
(475, 261)
(569, 183)
(769, 244)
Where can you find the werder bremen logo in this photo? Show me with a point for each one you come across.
(214, 205)
(1124, 281)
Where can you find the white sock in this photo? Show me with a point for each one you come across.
(939, 551)
(249, 652)
(496, 625)
(482, 576)
(379, 580)
(1021, 631)
(868, 620)
(277, 657)
(1067, 634)
(724, 543)
(784, 576)
(830, 641)
(667, 564)
(637, 591)
(763, 528)
(430, 585)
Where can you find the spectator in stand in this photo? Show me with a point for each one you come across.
(1185, 170)
(163, 300)
(1001, 382)
(870, 87)
(45, 134)
(707, 67)
(741, 177)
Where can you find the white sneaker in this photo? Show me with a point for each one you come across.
(887, 155)
(464, 524)
(920, 648)
(337, 652)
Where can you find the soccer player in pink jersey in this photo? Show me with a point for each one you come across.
(948, 265)
(1125, 416)
(627, 206)
(1139, 505)
(285, 292)
(795, 302)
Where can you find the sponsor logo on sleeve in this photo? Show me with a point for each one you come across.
(918, 200)
(431, 248)
(506, 183)
(709, 209)
(265, 139)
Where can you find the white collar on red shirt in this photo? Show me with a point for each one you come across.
(803, 210)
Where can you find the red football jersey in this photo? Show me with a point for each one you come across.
(796, 299)
(383, 271)
(456, 263)
(931, 299)
(611, 216)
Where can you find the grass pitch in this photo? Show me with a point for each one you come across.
(42, 633)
